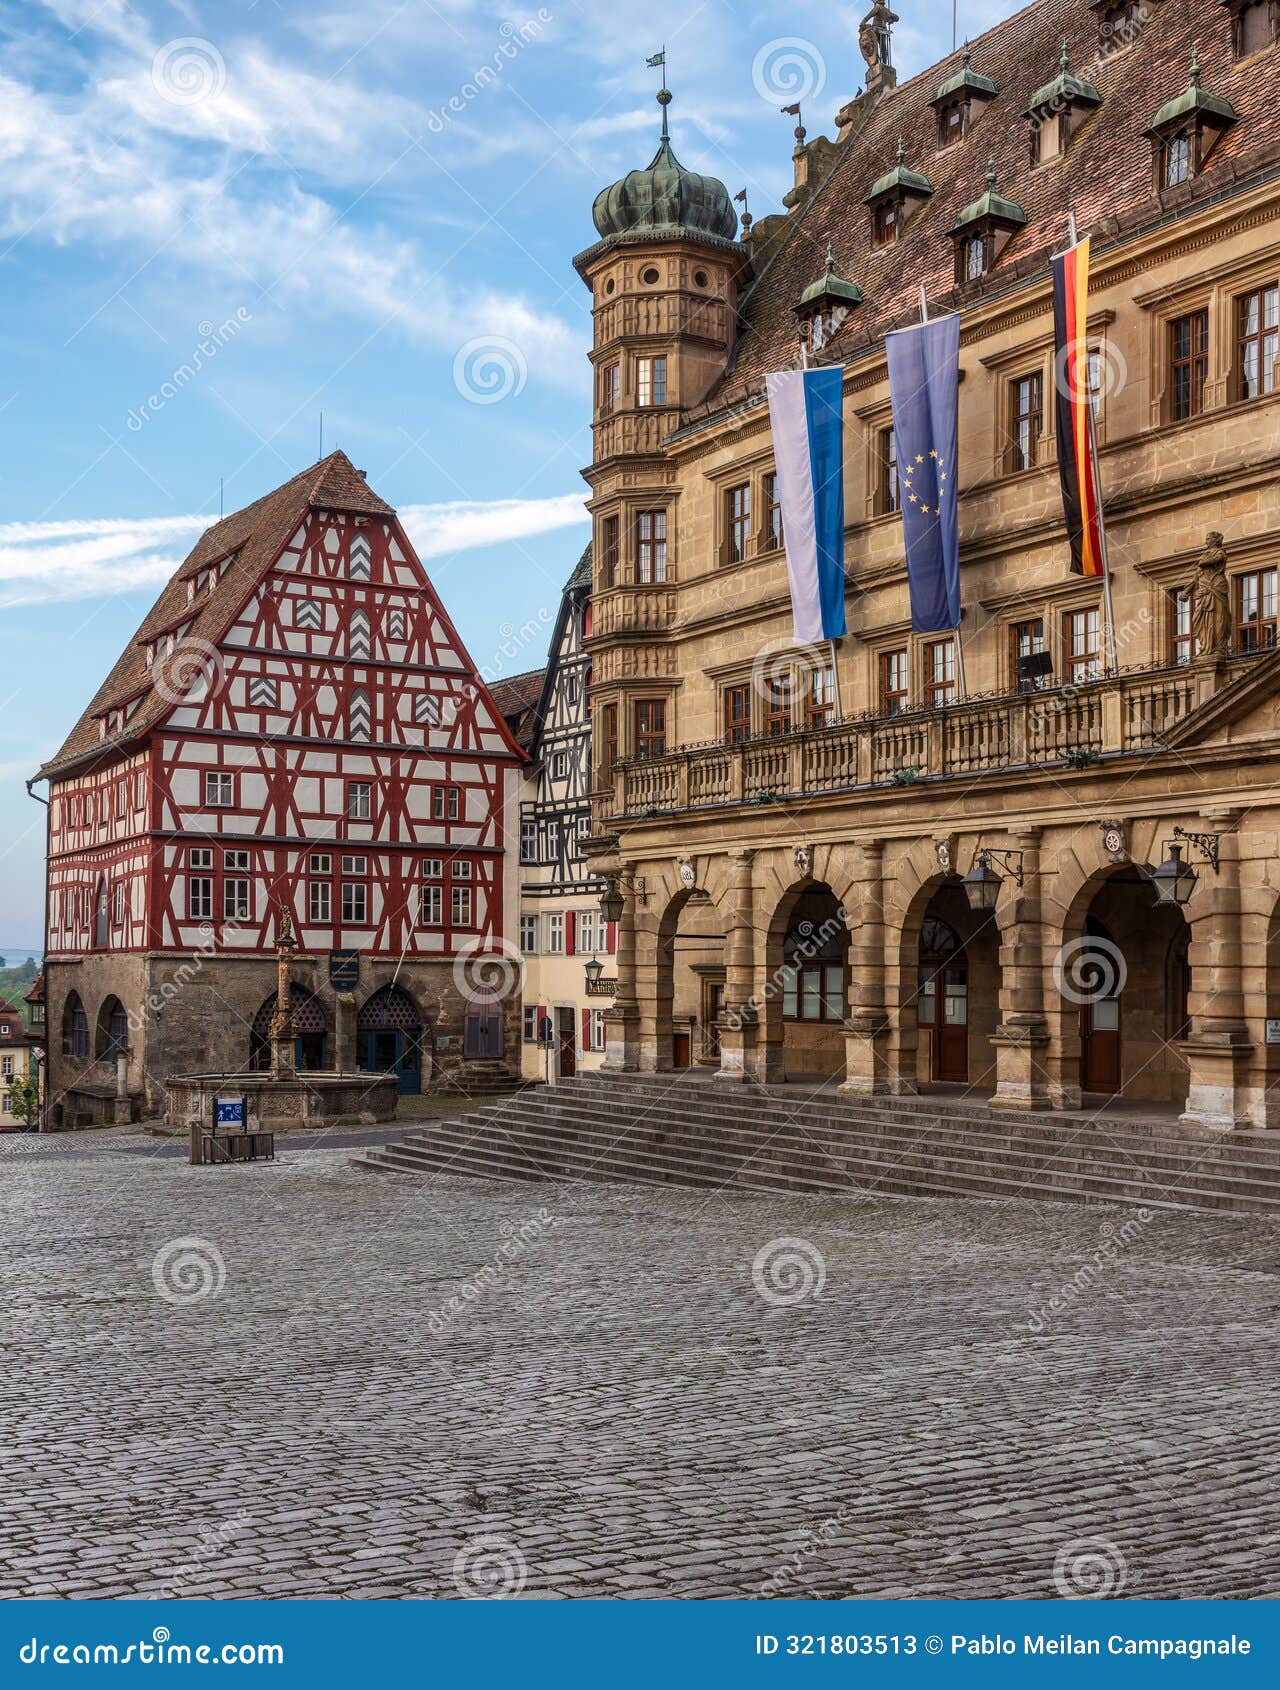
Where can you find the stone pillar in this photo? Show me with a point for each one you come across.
(344, 1034)
(1219, 1048)
(123, 1113)
(1022, 1039)
(866, 1040)
(738, 1029)
(622, 1021)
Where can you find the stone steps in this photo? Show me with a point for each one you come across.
(800, 1131)
(659, 1131)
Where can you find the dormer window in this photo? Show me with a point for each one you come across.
(893, 199)
(824, 305)
(1056, 111)
(1120, 23)
(1255, 26)
(960, 101)
(1185, 131)
(983, 230)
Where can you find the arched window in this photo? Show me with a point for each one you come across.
(113, 1031)
(75, 1028)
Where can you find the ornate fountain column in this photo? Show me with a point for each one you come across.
(283, 1031)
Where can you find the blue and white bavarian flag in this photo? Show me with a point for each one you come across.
(924, 378)
(806, 412)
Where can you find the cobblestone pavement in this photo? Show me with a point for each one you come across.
(301, 1380)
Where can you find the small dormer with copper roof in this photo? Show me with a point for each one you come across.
(894, 197)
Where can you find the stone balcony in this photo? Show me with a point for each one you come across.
(1073, 725)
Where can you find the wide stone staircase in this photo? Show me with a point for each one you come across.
(688, 1130)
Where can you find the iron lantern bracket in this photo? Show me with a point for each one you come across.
(1208, 844)
(1009, 861)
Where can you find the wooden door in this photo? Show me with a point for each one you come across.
(1100, 1045)
(681, 1054)
(566, 1034)
(951, 1031)
(713, 1009)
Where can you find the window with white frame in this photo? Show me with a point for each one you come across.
(117, 903)
(555, 933)
(597, 1029)
(432, 868)
(219, 788)
(530, 1026)
(355, 903)
(528, 842)
(529, 935)
(319, 902)
(461, 868)
(359, 800)
(559, 765)
(589, 932)
(460, 906)
(431, 907)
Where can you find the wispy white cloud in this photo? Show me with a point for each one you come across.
(50, 562)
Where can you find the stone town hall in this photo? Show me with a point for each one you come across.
(1065, 884)
(296, 726)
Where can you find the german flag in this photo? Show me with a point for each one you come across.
(1077, 451)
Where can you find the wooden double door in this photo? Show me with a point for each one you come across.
(942, 1007)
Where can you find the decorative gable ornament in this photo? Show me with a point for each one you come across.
(688, 874)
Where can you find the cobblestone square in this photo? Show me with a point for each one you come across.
(301, 1380)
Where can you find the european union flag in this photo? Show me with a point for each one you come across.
(924, 381)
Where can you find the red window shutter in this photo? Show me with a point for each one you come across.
(542, 1016)
(586, 620)
(568, 933)
(586, 1030)
(611, 938)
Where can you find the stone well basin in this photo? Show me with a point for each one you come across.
(308, 1100)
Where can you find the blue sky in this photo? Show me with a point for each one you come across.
(362, 210)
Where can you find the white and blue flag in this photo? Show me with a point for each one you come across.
(806, 413)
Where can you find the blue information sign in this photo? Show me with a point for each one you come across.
(229, 1112)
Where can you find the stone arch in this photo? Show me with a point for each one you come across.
(678, 969)
(391, 1034)
(75, 1028)
(111, 1038)
(943, 1008)
(1117, 981)
(312, 1045)
(803, 932)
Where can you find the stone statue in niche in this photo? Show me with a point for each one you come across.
(1210, 599)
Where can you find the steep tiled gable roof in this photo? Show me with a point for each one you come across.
(517, 701)
(251, 538)
(1105, 176)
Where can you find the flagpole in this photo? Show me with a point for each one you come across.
(1112, 653)
(961, 683)
(831, 644)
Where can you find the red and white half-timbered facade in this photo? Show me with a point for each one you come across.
(297, 725)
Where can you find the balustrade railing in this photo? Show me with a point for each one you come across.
(1072, 724)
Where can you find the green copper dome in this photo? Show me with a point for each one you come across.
(665, 198)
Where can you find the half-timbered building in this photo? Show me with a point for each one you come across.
(566, 945)
(296, 726)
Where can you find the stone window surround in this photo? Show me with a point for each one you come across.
(1217, 294)
(753, 470)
